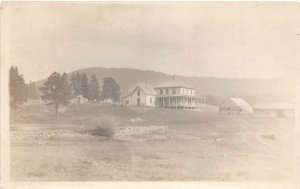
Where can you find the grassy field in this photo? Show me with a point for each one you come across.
(194, 146)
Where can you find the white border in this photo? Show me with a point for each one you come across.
(5, 156)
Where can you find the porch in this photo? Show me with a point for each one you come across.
(180, 102)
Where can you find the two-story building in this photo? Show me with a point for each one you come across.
(176, 94)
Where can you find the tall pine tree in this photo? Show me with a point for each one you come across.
(17, 89)
(56, 90)
(94, 89)
(110, 89)
(84, 85)
(76, 84)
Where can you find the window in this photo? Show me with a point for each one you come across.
(174, 91)
(138, 92)
(161, 91)
(138, 101)
(150, 100)
(167, 91)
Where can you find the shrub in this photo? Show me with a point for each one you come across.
(104, 126)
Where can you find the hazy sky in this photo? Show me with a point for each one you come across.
(199, 39)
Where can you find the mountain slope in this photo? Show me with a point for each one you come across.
(252, 90)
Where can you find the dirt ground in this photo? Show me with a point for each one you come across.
(192, 149)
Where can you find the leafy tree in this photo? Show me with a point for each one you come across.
(94, 89)
(17, 89)
(84, 85)
(32, 92)
(76, 84)
(110, 89)
(56, 90)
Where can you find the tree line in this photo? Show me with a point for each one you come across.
(90, 89)
(58, 89)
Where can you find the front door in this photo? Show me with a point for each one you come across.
(138, 102)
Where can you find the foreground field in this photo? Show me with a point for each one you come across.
(193, 146)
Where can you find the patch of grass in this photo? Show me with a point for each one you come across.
(79, 114)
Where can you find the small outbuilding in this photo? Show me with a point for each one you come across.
(108, 101)
(274, 110)
(33, 102)
(79, 100)
(235, 106)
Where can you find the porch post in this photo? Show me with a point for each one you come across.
(163, 102)
(193, 103)
(176, 102)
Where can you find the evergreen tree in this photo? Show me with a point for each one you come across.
(84, 84)
(110, 89)
(17, 89)
(94, 89)
(56, 90)
(76, 84)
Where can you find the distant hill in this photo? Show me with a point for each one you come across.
(253, 90)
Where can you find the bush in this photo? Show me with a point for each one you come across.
(104, 126)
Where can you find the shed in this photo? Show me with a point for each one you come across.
(79, 99)
(235, 106)
(274, 110)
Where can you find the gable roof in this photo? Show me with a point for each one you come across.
(145, 87)
(240, 103)
(173, 83)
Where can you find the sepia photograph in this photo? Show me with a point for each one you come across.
(150, 91)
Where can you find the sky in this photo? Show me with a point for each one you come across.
(235, 40)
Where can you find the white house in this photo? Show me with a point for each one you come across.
(170, 94)
(176, 94)
(142, 94)
(235, 106)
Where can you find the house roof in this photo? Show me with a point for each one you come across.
(274, 106)
(145, 87)
(173, 83)
(240, 103)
